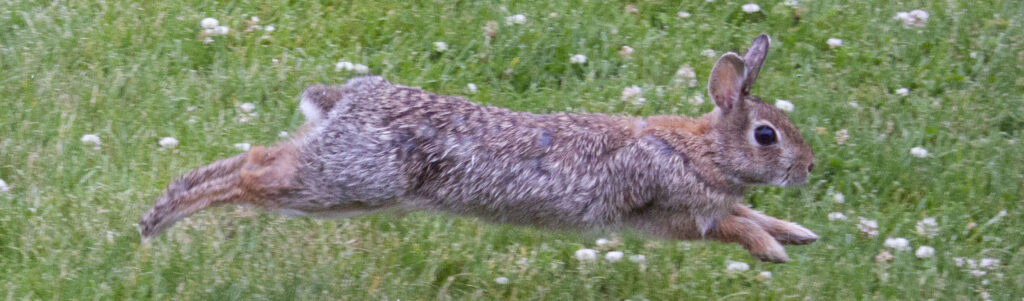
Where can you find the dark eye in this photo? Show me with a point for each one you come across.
(765, 135)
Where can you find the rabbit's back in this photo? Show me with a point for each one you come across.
(385, 142)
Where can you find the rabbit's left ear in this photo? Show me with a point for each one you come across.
(753, 59)
(726, 82)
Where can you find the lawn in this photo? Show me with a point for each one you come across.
(916, 125)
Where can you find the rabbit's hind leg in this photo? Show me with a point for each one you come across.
(261, 177)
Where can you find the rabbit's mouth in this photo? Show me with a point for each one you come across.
(795, 175)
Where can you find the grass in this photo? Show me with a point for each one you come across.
(133, 72)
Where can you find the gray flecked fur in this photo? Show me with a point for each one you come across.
(372, 145)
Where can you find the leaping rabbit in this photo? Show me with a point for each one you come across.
(371, 145)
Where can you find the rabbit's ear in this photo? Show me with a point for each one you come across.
(753, 59)
(727, 78)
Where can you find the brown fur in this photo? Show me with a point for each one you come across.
(370, 145)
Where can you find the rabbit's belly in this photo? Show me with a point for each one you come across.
(329, 214)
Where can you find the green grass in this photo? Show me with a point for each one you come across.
(129, 71)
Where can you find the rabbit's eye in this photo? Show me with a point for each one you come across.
(765, 135)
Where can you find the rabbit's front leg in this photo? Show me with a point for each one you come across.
(784, 231)
(749, 234)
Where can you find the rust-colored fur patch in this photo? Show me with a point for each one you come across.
(679, 124)
(268, 172)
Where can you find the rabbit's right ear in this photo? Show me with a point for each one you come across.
(754, 58)
(727, 80)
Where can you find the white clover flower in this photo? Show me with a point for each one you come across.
(919, 152)
(91, 140)
(696, 100)
(515, 19)
(269, 28)
(207, 40)
(638, 258)
(784, 105)
(471, 88)
(243, 146)
(632, 9)
(344, 66)
(683, 14)
(602, 242)
(686, 75)
(973, 54)
(209, 23)
(836, 216)
(764, 276)
(838, 197)
(883, 257)
(902, 91)
(914, 18)
(247, 107)
(868, 227)
(221, 30)
(978, 273)
(282, 134)
(168, 142)
(440, 46)
(834, 42)
(989, 263)
(586, 255)
(577, 59)
(959, 261)
(791, 3)
(613, 256)
(632, 94)
(925, 252)
(751, 8)
(491, 28)
(733, 267)
(361, 69)
(841, 136)
(3, 186)
(501, 280)
(927, 227)
(626, 51)
(708, 53)
(898, 244)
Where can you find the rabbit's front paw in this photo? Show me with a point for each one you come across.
(793, 234)
(771, 252)
(752, 236)
(783, 231)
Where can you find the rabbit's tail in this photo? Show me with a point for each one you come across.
(256, 177)
(318, 100)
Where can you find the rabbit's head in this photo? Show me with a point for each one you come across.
(753, 142)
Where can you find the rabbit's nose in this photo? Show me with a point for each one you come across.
(810, 167)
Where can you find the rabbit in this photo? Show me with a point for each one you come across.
(370, 145)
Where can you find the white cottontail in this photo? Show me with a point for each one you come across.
(370, 145)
